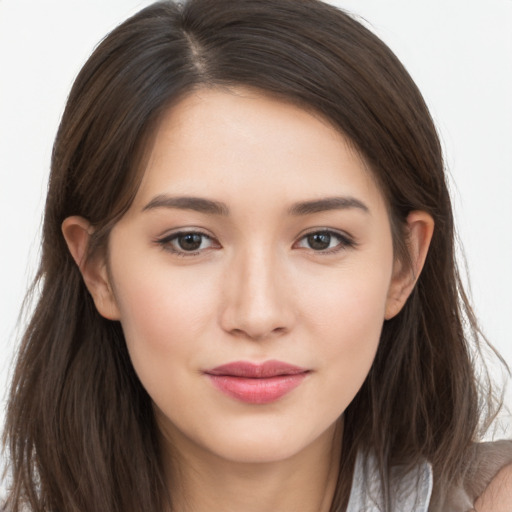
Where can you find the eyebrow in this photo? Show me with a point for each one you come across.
(326, 204)
(208, 206)
(197, 204)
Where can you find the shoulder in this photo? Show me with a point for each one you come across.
(497, 497)
(486, 483)
(489, 479)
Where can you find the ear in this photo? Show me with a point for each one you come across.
(77, 232)
(420, 227)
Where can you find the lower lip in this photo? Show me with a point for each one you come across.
(257, 391)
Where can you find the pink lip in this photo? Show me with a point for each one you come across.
(256, 383)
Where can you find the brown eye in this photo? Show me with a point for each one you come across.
(190, 241)
(325, 241)
(319, 241)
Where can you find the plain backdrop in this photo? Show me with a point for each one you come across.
(458, 51)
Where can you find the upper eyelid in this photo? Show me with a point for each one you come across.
(201, 231)
(169, 235)
(331, 231)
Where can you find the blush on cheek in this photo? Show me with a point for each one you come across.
(351, 324)
(160, 311)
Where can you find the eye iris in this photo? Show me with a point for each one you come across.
(319, 241)
(190, 241)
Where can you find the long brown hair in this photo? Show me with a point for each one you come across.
(80, 428)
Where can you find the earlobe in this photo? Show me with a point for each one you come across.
(77, 232)
(420, 226)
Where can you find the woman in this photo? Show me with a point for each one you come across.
(249, 295)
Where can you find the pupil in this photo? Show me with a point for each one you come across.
(319, 241)
(190, 242)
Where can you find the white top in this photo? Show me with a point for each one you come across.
(410, 492)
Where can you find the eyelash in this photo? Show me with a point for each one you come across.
(167, 242)
(344, 242)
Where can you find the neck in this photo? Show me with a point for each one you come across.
(306, 481)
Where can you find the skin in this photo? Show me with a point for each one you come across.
(498, 495)
(255, 289)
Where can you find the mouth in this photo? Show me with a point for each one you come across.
(257, 383)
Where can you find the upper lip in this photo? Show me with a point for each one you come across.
(251, 370)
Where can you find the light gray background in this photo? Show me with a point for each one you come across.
(458, 51)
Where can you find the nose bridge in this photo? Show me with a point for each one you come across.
(255, 303)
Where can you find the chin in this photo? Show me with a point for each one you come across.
(260, 451)
(261, 445)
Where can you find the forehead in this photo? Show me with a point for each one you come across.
(240, 141)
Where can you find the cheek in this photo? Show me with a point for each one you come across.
(160, 299)
(163, 315)
(351, 301)
(347, 316)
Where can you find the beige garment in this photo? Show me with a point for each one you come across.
(484, 463)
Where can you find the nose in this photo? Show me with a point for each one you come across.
(257, 301)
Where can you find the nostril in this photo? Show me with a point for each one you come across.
(258, 336)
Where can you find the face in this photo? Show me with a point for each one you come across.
(251, 275)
